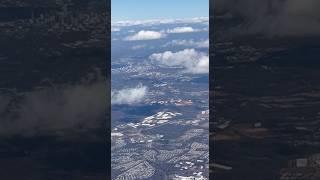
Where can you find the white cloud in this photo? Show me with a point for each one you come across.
(193, 61)
(61, 107)
(160, 21)
(182, 30)
(145, 35)
(115, 29)
(129, 95)
(189, 43)
(138, 47)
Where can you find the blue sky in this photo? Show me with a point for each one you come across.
(158, 9)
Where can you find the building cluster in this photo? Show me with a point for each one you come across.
(64, 22)
(302, 169)
(15, 3)
(51, 17)
(242, 54)
(138, 170)
(185, 156)
(37, 3)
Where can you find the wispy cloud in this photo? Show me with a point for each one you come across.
(193, 61)
(129, 95)
(145, 35)
(138, 47)
(189, 43)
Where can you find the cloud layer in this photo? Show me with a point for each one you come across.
(159, 21)
(193, 61)
(145, 35)
(129, 95)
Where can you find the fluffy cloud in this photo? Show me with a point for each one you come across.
(273, 17)
(145, 35)
(129, 95)
(189, 43)
(193, 61)
(182, 30)
(54, 109)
